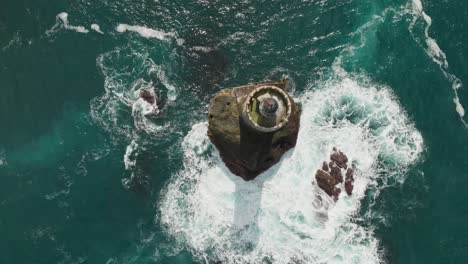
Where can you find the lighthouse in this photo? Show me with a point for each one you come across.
(252, 126)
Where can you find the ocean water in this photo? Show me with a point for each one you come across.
(86, 177)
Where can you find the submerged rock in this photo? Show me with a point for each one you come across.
(331, 176)
(147, 103)
(147, 96)
(252, 126)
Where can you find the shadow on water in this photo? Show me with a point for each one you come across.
(247, 208)
(246, 212)
(248, 194)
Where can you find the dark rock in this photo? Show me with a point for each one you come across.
(147, 96)
(326, 182)
(246, 151)
(335, 171)
(330, 177)
(336, 193)
(340, 158)
(349, 186)
(350, 174)
(349, 182)
(325, 166)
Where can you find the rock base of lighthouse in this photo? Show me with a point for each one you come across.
(246, 150)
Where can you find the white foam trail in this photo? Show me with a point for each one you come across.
(437, 55)
(62, 22)
(282, 216)
(67, 182)
(144, 31)
(3, 159)
(96, 28)
(14, 42)
(130, 159)
(203, 49)
(130, 155)
(171, 89)
(64, 17)
(149, 33)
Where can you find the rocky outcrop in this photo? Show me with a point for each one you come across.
(339, 158)
(147, 104)
(147, 96)
(335, 171)
(245, 150)
(327, 183)
(330, 177)
(349, 182)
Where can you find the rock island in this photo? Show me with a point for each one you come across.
(252, 126)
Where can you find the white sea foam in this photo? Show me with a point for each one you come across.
(64, 17)
(144, 31)
(3, 159)
(143, 108)
(282, 216)
(130, 155)
(171, 89)
(142, 111)
(96, 28)
(148, 32)
(14, 42)
(436, 54)
(203, 49)
(130, 159)
(62, 22)
(123, 88)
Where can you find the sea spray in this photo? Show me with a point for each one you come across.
(282, 216)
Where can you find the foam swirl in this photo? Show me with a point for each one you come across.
(282, 216)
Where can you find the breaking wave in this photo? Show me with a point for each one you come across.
(282, 216)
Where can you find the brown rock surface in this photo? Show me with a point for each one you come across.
(246, 152)
(330, 177)
(325, 166)
(326, 182)
(349, 181)
(339, 158)
(335, 171)
(147, 96)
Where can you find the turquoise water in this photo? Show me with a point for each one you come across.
(86, 178)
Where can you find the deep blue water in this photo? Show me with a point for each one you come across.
(85, 178)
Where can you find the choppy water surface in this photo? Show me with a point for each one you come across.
(87, 177)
